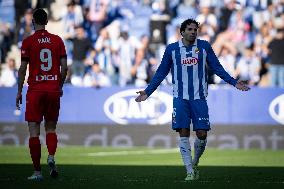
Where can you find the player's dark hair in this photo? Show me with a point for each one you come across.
(40, 17)
(188, 22)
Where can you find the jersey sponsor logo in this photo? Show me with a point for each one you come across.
(44, 40)
(123, 109)
(276, 109)
(190, 61)
(46, 77)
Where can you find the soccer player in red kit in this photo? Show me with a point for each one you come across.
(45, 53)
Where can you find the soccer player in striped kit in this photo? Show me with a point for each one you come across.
(187, 59)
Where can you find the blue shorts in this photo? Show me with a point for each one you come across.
(185, 111)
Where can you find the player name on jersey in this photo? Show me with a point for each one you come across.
(44, 40)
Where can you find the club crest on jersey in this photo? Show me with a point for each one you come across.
(190, 61)
(196, 51)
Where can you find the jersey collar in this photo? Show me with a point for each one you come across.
(180, 43)
(41, 30)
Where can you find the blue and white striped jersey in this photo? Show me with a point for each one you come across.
(188, 68)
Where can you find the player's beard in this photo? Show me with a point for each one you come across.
(192, 38)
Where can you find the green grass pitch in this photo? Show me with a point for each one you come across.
(82, 167)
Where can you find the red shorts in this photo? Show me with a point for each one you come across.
(42, 104)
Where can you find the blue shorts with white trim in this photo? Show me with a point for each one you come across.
(187, 111)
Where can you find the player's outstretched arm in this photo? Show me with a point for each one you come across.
(241, 85)
(142, 96)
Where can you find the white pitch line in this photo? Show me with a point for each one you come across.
(137, 152)
(271, 182)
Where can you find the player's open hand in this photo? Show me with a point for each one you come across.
(142, 96)
(241, 85)
(18, 100)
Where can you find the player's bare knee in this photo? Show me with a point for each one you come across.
(50, 129)
(50, 126)
(201, 134)
(34, 129)
(184, 132)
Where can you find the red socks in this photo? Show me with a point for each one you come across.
(35, 151)
(35, 148)
(51, 143)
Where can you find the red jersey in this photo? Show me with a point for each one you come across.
(43, 51)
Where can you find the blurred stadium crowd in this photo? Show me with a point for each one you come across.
(121, 42)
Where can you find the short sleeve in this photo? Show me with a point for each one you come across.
(62, 49)
(25, 54)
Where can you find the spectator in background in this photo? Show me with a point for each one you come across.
(187, 9)
(113, 11)
(26, 26)
(71, 19)
(262, 39)
(139, 70)
(175, 36)
(126, 47)
(225, 14)
(248, 67)
(206, 32)
(88, 26)
(105, 54)
(238, 30)
(276, 67)
(160, 7)
(9, 75)
(264, 12)
(82, 47)
(6, 40)
(20, 9)
(95, 77)
(149, 55)
(227, 60)
(206, 17)
(98, 14)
